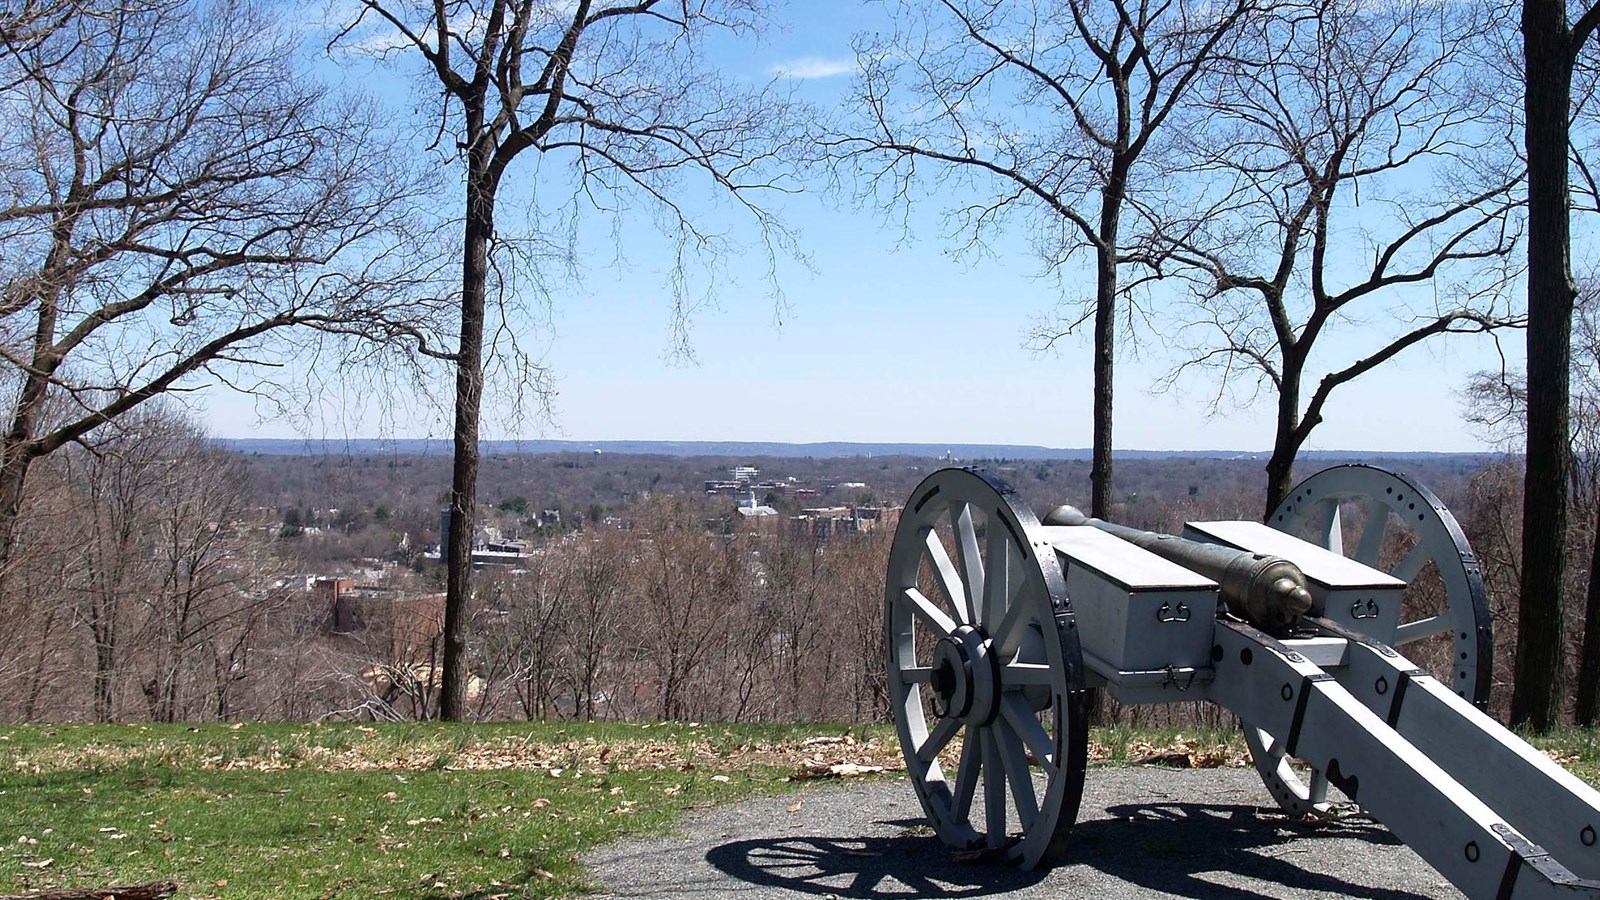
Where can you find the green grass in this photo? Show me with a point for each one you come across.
(423, 810)
(1576, 749)
(1120, 745)
(416, 810)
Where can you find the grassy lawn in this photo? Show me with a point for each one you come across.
(424, 810)
(413, 810)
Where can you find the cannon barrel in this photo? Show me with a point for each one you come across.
(1269, 592)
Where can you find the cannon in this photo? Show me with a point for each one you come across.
(1350, 634)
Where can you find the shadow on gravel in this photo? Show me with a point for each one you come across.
(1177, 847)
(1174, 848)
(908, 865)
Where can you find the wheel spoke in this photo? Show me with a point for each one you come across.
(936, 742)
(1330, 525)
(971, 563)
(933, 616)
(1412, 564)
(1318, 790)
(1026, 726)
(1372, 531)
(1421, 628)
(967, 775)
(1013, 625)
(916, 674)
(945, 572)
(994, 790)
(998, 587)
(1007, 636)
(1017, 774)
(1025, 673)
(1276, 747)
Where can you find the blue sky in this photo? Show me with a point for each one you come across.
(887, 338)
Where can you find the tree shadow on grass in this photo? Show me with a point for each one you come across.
(1173, 848)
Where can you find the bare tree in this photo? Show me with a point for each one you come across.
(1052, 115)
(1559, 91)
(1497, 401)
(211, 588)
(688, 582)
(529, 639)
(1345, 180)
(177, 196)
(116, 483)
(619, 92)
(169, 582)
(1551, 47)
(601, 579)
(40, 664)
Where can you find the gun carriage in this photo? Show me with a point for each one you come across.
(996, 623)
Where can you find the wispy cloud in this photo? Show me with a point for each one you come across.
(813, 67)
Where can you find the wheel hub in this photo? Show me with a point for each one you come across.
(965, 679)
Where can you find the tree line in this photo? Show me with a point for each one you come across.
(148, 584)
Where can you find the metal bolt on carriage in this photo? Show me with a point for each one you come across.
(996, 623)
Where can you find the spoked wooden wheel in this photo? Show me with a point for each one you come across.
(1407, 532)
(985, 670)
(1389, 522)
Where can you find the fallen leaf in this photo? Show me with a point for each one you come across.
(795, 806)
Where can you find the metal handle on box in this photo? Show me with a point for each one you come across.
(1167, 614)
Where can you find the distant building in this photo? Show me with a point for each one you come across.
(743, 474)
(876, 518)
(330, 597)
(409, 623)
(823, 522)
(715, 488)
(489, 552)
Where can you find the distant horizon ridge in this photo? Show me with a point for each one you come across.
(828, 449)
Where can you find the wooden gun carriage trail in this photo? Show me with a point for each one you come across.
(1350, 633)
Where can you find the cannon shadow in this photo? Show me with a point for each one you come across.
(1173, 848)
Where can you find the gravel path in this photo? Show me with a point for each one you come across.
(1142, 833)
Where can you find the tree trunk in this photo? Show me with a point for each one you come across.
(469, 400)
(105, 662)
(1286, 440)
(1536, 698)
(1588, 703)
(19, 448)
(1105, 350)
(13, 478)
(1105, 339)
